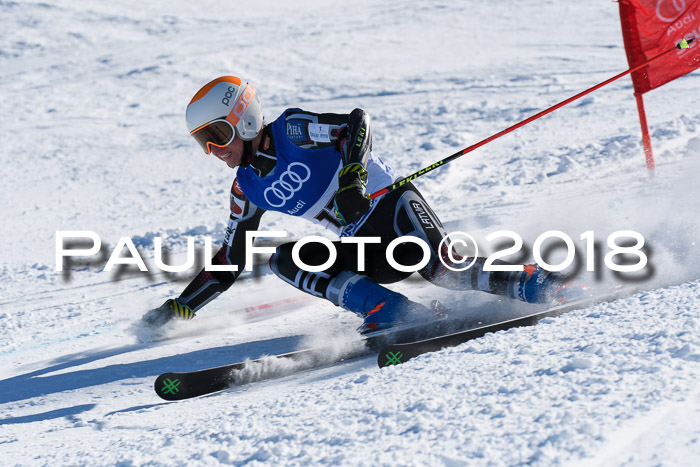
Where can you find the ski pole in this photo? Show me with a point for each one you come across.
(681, 45)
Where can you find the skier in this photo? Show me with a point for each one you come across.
(321, 167)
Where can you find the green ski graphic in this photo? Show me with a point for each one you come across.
(170, 386)
(393, 358)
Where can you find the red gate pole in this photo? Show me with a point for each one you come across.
(646, 139)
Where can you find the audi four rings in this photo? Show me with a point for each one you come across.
(283, 190)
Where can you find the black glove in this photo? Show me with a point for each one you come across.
(167, 311)
(351, 202)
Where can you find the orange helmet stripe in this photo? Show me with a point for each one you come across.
(224, 79)
(241, 105)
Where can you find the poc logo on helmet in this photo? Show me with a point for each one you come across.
(242, 103)
(230, 92)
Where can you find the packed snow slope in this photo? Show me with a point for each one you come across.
(92, 137)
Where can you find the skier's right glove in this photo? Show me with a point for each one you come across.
(351, 202)
(169, 310)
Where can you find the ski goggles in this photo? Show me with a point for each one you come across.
(219, 133)
(222, 131)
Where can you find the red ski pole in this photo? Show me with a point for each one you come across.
(681, 45)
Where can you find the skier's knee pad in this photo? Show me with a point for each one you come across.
(281, 262)
(315, 283)
(311, 254)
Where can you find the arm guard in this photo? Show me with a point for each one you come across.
(356, 144)
(245, 216)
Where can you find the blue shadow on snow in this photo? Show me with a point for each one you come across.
(58, 413)
(33, 384)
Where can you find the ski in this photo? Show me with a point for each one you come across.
(173, 386)
(397, 353)
(395, 345)
(178, 386)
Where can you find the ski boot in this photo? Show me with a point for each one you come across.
(395, 310)
(168, 311)
(569, 292)
(380, 307)
(540, 286)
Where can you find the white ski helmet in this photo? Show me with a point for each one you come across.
(222, 110)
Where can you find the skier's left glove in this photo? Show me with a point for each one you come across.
(351, 202)
(169, 310)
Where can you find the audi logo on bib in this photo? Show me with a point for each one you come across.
(670, 10)
(290, 181)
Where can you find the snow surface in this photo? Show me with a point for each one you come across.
(92, 137)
